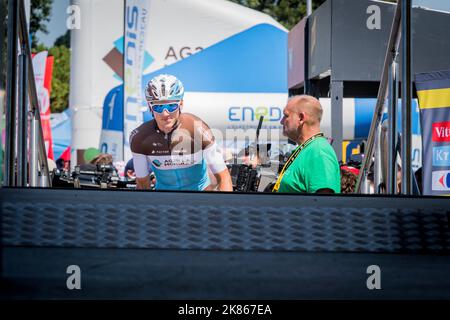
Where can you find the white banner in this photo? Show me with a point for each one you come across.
(136, 21)
(39, 63)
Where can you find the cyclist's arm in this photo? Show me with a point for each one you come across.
(218, 167)
(224, 180)
(143, 183)
(141, 171)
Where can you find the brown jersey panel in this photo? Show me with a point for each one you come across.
(190, 136)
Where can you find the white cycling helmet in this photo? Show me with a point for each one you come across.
(164, 87)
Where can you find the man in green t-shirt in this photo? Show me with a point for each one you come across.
(313, 166)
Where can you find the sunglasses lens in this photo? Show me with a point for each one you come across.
(159, 108)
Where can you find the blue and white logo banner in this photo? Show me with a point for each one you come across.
(136, 22)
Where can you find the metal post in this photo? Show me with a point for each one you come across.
(337, 98)
(34, 152)
(42, 179)
(27, 6)
(377, 174)
(2, 94)
(384, 152)
(306, 83)
(32, 94)
(22, 121)
(367, 186)
(10, 147)
(406, 97)
(391, 183)
(308, 7)
(382, 94)
(2, 79)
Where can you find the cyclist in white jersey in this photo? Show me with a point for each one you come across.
(178, 147)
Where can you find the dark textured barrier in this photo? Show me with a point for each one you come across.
(163, 220)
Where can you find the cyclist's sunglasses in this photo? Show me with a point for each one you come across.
(170, 107)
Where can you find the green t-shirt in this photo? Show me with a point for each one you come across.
(316, 167)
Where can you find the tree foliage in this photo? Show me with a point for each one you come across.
(40, 15)
(59, 98)
(63, 40)
(41, 11)
(59, 95)
(286, 12)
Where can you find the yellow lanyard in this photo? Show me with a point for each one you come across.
(292, 158)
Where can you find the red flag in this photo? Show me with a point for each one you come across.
(43, 67)
(66, 154)
(46, 126)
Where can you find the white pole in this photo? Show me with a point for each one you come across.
(27, 12)
(308, 7)
(34, 153)
(86, 118)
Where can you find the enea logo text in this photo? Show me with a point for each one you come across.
(441, 131)
(441, 180)
(253, 114)
(441, 156)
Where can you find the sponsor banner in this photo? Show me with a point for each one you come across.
(42, 77)
(433, 90)
(136, 21)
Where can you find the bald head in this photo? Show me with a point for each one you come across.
(301, 118)
(309, 105)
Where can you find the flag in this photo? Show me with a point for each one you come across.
(43, 68)
(45, 117)
(66, 154)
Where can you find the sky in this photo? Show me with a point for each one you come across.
(443, 5)
(57, 24)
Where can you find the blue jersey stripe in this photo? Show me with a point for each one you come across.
(182, 178)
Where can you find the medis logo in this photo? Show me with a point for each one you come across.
(441, 131)
(441, 180)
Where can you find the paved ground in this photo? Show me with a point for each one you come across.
(40, 273)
